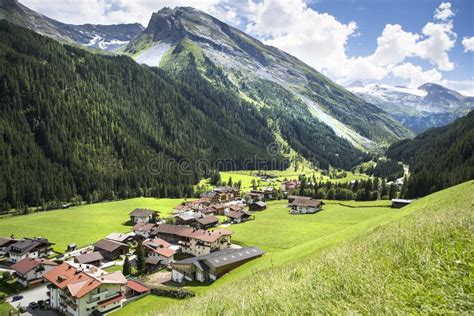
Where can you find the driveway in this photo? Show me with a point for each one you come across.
(33, 295)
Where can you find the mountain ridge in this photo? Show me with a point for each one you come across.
(245, 60)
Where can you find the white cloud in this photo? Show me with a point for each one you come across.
(468, 43)
(444, 12)
(416, 75)
(440, 39)
(465, 87)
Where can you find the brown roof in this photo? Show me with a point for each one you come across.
(137, 287)
(111, 300)
(207, 220)
(207, 210)
(141, 212)
(5, 241)
(89, 257)
(306, 202)
(157, 241)
(108, 245)
(165, 252)
(188, 232)
(143, 227)
(236, 214)
(28, 264)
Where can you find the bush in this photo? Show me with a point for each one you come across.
(178, 293)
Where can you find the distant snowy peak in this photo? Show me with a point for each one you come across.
(106, 37)
(429, 105)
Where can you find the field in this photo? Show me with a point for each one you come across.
(247, 176)
(409, 261)
(83, 224)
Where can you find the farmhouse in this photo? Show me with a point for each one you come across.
(210, 267)
(305, 206)
(399, 203)
(93, 258)
(5, 243)
(195, 241)
(218, 209)
(110, 250)
(158, 251)
(292, 198)
(207, 222)
(144, 230)
(78, 290)
(238, 216)
(29, 271)
(257, 206)
(290, 185)
(28, 248)
(187, 218)
(140, 215)
(221, 194)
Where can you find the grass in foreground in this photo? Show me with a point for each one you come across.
(83, 224)
(420, 263)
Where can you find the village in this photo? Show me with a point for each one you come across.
(195, 245)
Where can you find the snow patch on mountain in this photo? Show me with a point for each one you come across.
(153, 55)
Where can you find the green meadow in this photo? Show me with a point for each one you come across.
(83, 224)
(345, 259)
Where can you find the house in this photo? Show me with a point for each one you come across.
(82, 290)
(181, 208)
(28, 248)
(158, 252)
(135, 288)
(140, 215)
(111, 250)
(144, 230)
(399, 203)
(195, 241)
(207, 222)
(305, 206)
(29, 271)
(5, 243)
(290, 185)
(207, 211)
(93, 258)
(291, 198)
(218, 209)
(257, 206)
(221, 194)
(237, 217)
(211, 266)
(120, 237)
(256, 195)
(187, 218)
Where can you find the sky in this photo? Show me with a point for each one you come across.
(405, 42)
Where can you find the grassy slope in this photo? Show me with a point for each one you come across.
(420, 262)
(83, 224)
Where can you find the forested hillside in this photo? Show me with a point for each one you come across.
(74, 123)
(438, 158)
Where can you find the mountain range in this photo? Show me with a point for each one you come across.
(104, 37)
(430, 105)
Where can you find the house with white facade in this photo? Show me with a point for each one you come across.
(305, 206)
(82, 290)
(29, 271)
(158, 252)
(28, 248)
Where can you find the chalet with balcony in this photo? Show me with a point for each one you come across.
(305, 206)
(221, 194)
(82, 290)
(29, 271)
(28, 248)
(140, 215)
(5, 243)
(158, 252)
(236, 217)
(195, 241)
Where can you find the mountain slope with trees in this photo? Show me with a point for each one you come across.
(75, 123)
(438, 158)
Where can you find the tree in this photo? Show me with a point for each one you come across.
(140, 253)
(403, 190)
(230, 183)
(127, 268)
(392, 193)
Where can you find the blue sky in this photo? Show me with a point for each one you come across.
(395, 42)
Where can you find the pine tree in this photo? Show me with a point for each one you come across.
(127, 268)
(140, 253)
(403, 190)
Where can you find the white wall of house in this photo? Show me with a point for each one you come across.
(177, 276)
(33, 274)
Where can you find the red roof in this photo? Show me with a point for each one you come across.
(137, 287)
(28, 264)
(165, 252)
